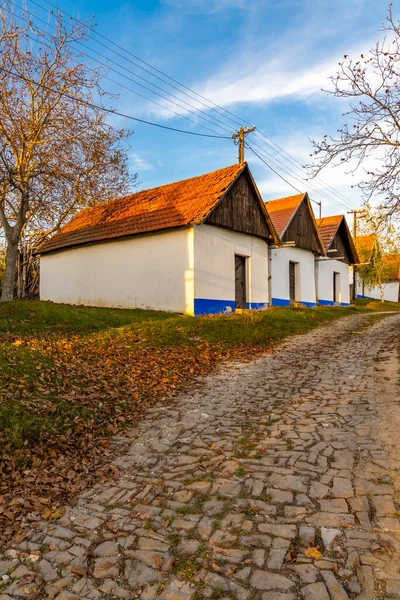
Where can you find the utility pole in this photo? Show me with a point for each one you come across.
(239, 138)
(355, 213)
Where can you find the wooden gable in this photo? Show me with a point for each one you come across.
(343, 244)
(241, 209)
(302, 229)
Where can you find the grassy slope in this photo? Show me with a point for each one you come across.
(71, 377)
(42, 343)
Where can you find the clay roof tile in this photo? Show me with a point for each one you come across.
(169, 206)
(282, 210)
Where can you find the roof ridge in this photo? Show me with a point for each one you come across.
(285, 198)
(176, 204)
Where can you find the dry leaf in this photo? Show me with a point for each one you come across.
(312, 552)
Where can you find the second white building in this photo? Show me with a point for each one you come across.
(292, 264)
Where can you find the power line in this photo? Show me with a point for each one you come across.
(315, 190)
(198, 113)
(273, 170)
(110, 110)
(210, 105)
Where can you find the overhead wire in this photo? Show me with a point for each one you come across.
(209, 104)
(213, 121)
(197, 112)
(312, 188)
(109, 110)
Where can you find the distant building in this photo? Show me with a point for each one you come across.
(366, 245)
(197, 246)
(332, 270)
(292, 265)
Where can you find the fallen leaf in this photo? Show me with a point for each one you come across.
(312, 552)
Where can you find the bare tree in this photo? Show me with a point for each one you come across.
(373, 127)
(57, 151)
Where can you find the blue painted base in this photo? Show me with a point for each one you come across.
(360, 296)
(207, 306)
(332, 303)
(280, 302)
(285, 302)
(326, 302)
(257, 305)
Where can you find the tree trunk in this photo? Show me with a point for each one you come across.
(7, 292)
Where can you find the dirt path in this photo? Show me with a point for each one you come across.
(269, 480)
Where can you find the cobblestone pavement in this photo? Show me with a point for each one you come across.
(267, 481)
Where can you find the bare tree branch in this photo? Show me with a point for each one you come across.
(56, 155)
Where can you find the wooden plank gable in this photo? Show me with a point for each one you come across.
(241, 210)
(341, 243)
(302, 229)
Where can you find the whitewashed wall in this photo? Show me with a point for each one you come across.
(391, 291)
(214, 266)
(325, 269)
(154, 271)
(279, 269)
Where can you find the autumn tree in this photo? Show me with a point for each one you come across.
(58, 152)
(371, 135)
(379, 249)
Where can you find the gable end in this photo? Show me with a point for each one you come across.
(240, 210)
(302, 229)
(343, 243)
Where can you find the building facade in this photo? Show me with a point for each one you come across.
(332, 270)
(198, 246)
(292, 264)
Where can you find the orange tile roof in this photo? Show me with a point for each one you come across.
(169, 206)
(282, 210)
(327, 227)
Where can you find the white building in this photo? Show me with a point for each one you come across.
(197, 246)
(366, 245)
(332, 270)
(292, 265)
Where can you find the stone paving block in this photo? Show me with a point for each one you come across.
(279, 530)
(263, 580)
(315, 591)
(335, 589)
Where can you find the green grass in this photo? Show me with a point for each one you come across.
(52, 355)
(377, 304)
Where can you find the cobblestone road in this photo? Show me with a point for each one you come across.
(267, 481)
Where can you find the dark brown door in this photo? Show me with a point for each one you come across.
(336, 287)
(292, 281)
(240, 281)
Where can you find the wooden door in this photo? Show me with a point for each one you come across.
(240, 281)
(336, 287)
(292, 282)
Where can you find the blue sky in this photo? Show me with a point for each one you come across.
(264, 60)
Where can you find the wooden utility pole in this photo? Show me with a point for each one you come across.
(239, 138)
(355, 213)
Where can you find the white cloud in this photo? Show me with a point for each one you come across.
(139, 163)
